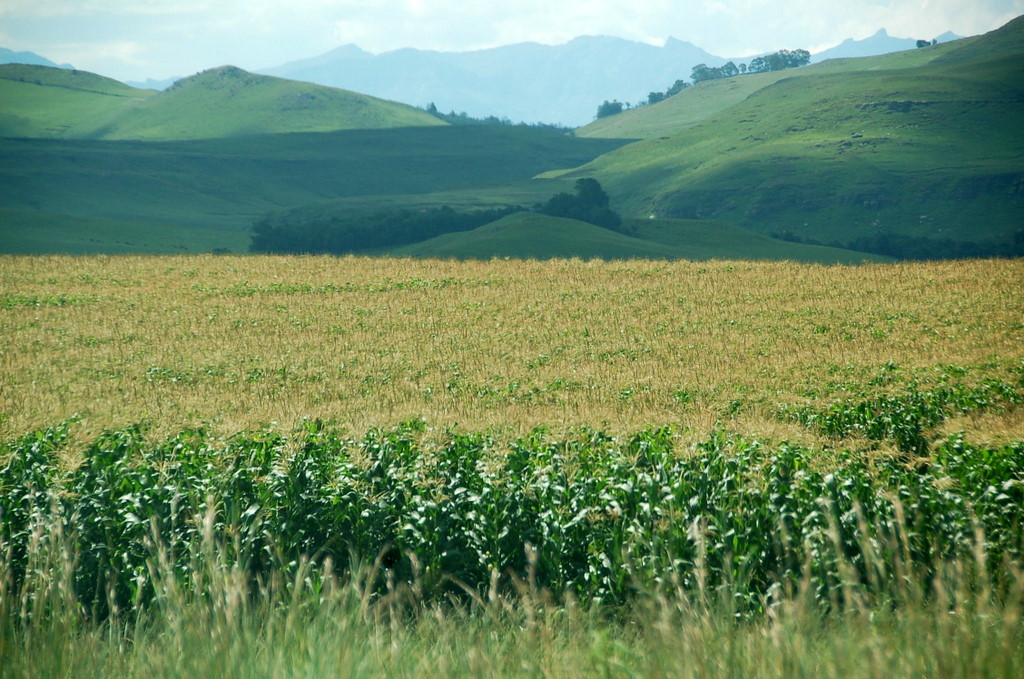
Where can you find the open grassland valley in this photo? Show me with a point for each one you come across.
(224, 466)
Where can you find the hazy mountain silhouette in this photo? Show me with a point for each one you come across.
(152, 84)
(11, 57)
(879, 43)
(523, 82)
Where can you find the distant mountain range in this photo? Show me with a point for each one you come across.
(11, 57)
(525, 82)
(531, 82)
(879, 43)
(152, 84)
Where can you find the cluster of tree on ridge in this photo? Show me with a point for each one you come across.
(298, 232)
(778, 61)
(589, 204)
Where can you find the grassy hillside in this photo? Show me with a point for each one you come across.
(222, 102)
(704, 100)
(701, 102)
(681, 111)
(218, 186)
(228, 101)
(33, 232)
(40, 101)
(532, 235)
(701, 240)
(932, 152)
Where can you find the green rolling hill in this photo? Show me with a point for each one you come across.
(929, 158)
(228, 101)
(699, 103)
(913, 154)
(682, 111)
(698, 239)
(40, 101)
(536, 236)
(204, 194)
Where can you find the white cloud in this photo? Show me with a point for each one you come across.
(55, 8)
(175, 37)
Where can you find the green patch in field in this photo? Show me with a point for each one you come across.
(51, 300)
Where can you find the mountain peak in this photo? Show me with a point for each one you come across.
(350, 51)
(11, 57)
(221, 77)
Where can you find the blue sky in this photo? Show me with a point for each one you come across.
(133, 40)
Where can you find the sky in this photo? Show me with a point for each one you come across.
(139, 39)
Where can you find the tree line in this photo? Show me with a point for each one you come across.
(778, 61)
(589, 203)
(294, 232)
(299, 232)
(463, 118)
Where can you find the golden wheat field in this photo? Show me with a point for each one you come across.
(237, 342)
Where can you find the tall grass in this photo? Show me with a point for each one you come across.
(393, 555)
(217, 619)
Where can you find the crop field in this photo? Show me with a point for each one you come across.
(316, 466)
(233, 343)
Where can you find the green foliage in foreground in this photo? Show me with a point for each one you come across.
(225, 625)
(589, 516)
(321, 555)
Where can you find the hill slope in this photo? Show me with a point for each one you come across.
(215, 188)
(532, 235)
(47, 102)
(698, 239)
(700, 102)
(228, 101)
(931, 153)
(43, 101)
